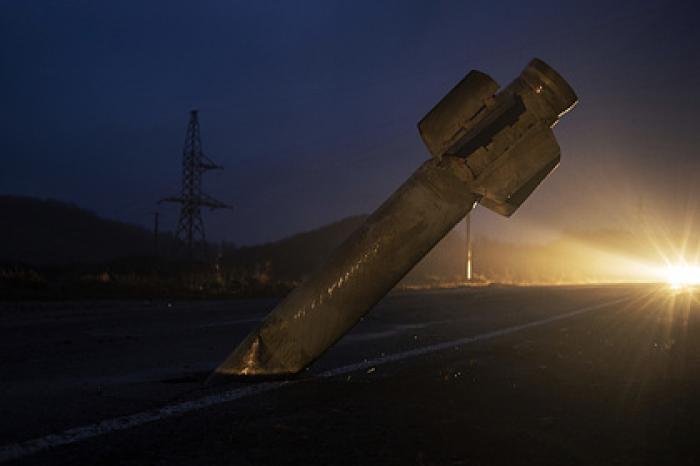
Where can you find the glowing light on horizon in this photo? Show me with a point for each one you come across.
(682, 275)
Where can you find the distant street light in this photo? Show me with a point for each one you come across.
(468, 239)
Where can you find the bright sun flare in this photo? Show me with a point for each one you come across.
(679, 276)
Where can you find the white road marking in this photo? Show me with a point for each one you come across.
(395, 330)
(29, 447)
(369, 363)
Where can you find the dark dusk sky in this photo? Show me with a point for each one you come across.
(312, 107)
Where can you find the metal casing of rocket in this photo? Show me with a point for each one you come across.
(487, 147)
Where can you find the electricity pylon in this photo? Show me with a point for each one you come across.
(190, 226)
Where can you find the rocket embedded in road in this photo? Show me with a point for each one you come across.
(488, 147)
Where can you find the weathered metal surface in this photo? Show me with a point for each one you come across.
(505, 183)
(493, 149)
(456, 112)
(366, 267)
(508, 144)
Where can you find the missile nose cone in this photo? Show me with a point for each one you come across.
(550, 85)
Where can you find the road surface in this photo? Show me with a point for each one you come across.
(482, 375)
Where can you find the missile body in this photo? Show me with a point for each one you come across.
(487, 148)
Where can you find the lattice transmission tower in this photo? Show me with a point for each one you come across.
(190, 226)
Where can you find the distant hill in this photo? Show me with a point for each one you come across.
(49, 232)
(292, 258)
(45, 232)
(41, 232)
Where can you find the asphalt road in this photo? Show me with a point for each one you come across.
(562, 375)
